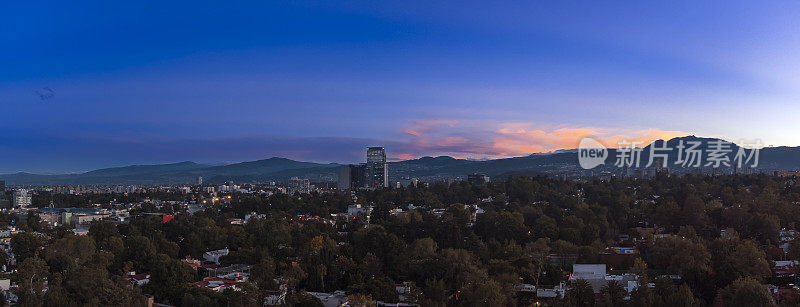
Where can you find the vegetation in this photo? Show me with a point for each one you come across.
(714, 232)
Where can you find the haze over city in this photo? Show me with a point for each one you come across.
(111, 84)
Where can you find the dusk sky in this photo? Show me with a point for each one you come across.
(85, 85)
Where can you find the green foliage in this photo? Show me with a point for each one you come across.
(454, 259)
(581, 294)
(746, 291)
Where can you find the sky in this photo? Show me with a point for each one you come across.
(92, 84)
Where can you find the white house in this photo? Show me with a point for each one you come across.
(213, 256)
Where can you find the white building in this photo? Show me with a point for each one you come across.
(335, 299)
(354, 210)
(296, 185)
(213, 256)
(21, 198)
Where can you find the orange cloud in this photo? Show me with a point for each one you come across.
(490, 139)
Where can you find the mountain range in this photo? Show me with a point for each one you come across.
(563, 162)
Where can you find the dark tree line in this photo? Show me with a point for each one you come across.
(447, 260)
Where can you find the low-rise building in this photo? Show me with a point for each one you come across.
(140, 279)
(335, 299)
(213, 256)
(218, 284)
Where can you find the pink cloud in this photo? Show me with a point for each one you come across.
(492, 139)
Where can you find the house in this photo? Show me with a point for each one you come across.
(404, 290)
(785, 268)
(218, 284)
(401, 304)
(193, 263)
(785, 237)
(780, 293)
(233, 221)
(555, 292)
(140, 279)
(396, 211)
(213, 256)
(237, 272)
(5, 284)
(354, 210)
(594, 274)
(335, 299)
(8, 232)
(525, 288)
(588, 271)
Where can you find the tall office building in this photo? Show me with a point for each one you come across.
(353, 176)
(358, 176)
(377, 169)
(344, 181)
(371, 175)
(199, 180)
(21, 198)
(296, 185)
(4, 202)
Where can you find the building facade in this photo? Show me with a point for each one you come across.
(374, 174)
(377, 168)
(21, 198)
(297, 185)
(477, 179)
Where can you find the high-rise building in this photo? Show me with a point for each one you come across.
(296, 185)
(199, 180)
(477, 179)
(373, 174)
(377, 168)
(344, 181)
(358, 176)
(4, 202)
(21, 198)
(352, 177)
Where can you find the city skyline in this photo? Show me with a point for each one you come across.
(133, 84)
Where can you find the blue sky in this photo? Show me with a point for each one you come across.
(155, 82)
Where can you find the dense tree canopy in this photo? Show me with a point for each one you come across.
(460, 257)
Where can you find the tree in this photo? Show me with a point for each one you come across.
(681, 298)
(70, 252)
(749, 261)
(360, 300)
(25, 245)
(263, 274)
(643, 296)
(582, 293)
(689, 258)
(435, 290)
(485, 293)
(383, 289)
(31, 275)
(639, 268)
(612, 294)
(3, 258)
(746, 291)
(169, 278)
(423, 248)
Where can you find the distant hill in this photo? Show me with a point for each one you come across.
(145, 169)
(563, 162)
(265, 166)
